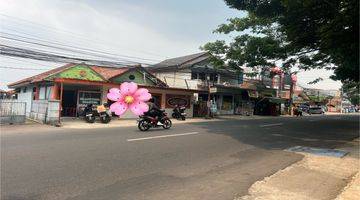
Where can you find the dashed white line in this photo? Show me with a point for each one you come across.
(267, 125)
(162, 136)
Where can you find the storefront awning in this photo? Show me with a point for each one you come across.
(276, 100)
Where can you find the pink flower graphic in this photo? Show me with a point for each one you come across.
(129, 97)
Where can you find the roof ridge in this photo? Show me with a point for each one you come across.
(34, 76)
(200, 54)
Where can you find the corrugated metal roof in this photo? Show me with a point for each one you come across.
(187, 60)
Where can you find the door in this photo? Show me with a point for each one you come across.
(69, 100)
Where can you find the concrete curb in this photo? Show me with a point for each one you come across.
(352, 190)
(313, 177)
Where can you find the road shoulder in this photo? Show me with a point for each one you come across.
(314, 177)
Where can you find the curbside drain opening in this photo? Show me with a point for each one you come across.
(318, 151)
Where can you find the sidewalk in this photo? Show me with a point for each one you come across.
(314, 177)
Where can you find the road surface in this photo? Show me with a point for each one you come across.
(207, 160)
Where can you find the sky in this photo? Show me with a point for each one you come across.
(147, 31)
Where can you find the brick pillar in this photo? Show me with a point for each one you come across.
(163, 100)
(55, 92)
(37, 92)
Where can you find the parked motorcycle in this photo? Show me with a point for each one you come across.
(179, 112)
(102, 111)
(146, 121)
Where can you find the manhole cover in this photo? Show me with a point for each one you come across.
(318, 151)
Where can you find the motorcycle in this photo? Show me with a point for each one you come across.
(146, 121)
(101, 111)
(179, 112)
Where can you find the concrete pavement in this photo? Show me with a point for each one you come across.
(221, 160)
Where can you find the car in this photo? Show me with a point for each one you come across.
(316, 110)
(304, 108)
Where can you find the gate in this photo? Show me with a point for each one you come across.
(12, 112)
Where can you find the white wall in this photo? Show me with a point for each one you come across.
(42, 94)
(179, 79)
(26, 97)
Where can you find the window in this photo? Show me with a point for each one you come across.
(24, 90)
(131, 77)
(34, 89)
(227, 102)
(202, 76)
(194, 75)
(213, 77)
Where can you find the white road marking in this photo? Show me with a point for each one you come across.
(314, 120)
(267, 125)
(162, 136)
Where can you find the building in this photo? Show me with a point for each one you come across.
(196, 72)
(274, 88)
(10, 94)
(75, 85)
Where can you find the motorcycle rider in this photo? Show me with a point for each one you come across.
(154, 110)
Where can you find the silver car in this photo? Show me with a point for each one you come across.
(316, 110)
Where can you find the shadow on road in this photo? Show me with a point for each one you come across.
(328, 132)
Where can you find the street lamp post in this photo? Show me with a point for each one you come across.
(208, 99)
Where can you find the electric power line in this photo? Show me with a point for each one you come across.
(69, 50)
(80, 48)
(11, 51)
(21, 68)
(55, 29)
(26, 61)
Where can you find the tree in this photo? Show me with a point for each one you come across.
(351, 91)
(308, 34)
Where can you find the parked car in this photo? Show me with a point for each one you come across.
(304, 108)
(316, 110)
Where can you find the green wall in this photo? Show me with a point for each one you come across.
(79, 72)
(139, 78)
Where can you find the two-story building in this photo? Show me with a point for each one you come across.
(221, 85)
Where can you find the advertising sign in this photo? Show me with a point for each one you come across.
(89, 98)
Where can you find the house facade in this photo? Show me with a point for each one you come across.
(223, 86)
(75, 85)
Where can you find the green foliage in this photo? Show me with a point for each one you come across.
(351, 90)
(309, 34)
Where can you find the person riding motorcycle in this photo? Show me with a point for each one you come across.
(154, 110)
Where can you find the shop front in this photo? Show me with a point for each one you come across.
(75, 95)
(229, 100)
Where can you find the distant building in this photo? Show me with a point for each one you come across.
(231, 90)
(10, 94)
(196, 72)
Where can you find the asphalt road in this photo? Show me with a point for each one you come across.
(212, 160)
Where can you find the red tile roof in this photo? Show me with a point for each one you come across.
(109, 72)
(106, 72)
(42, 76)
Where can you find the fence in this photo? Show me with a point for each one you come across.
(12, 112)
(245, 108)
(45, 111)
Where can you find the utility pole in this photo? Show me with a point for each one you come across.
(208, 104)
(341, 100)
(291, 96)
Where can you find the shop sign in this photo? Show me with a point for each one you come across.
(253, 94)
(89, 98)
(213, 90)
(181, 100)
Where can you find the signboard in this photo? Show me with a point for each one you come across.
(213, 90)
(182, 100)
(89, 97)
(253, 93)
